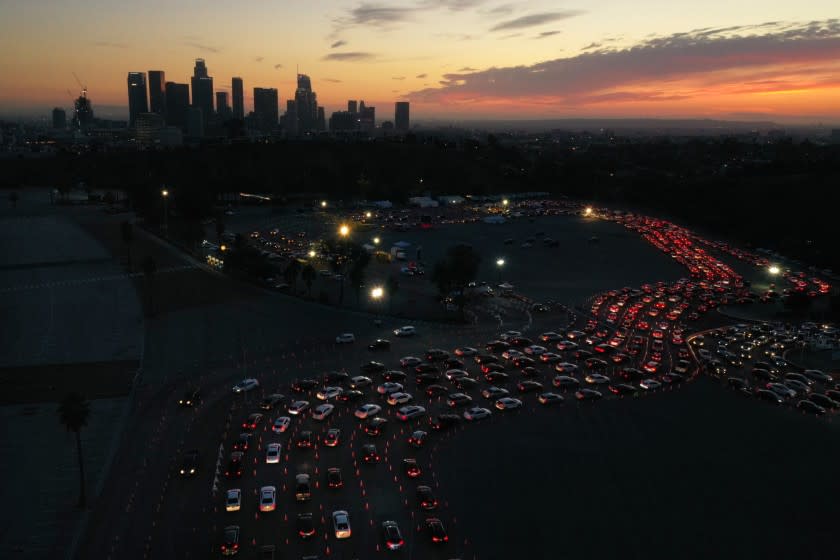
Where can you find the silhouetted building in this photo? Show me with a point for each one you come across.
(195, 122)
(290, 119)
(401, 116)
(306, 105)
(82, 112)
(387, 125)
(320, 122)
(367, 117)
(238, 98)
(343, 121)
(59, 118)
(138, 102)
(157, 92)
(222, 107)
(352, 106)
(835, 135)
(266, 109)
(177, 103)
(202, 89)
(148, 126)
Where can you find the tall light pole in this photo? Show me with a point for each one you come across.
(165, 194)
(500, 263)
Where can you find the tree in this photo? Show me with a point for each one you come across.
(149, 271)
(290, 274)
(357, 273)
(73, 412)
(127, 232)
(392, 286)
(308, 275)
(455, 270)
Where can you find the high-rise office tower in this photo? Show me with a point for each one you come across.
(266, 108)
(137, 99)
(222, 107)
(157, 92)
(361, 106)
(401, 116)
(306, 105)
(195, 122)
(238, 98)
(352, 107)
(177, 103)
(82, 112)
(59, 118)
(290, 120)
(321, 121)
(202, 89)
(367, 117)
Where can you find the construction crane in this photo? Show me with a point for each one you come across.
(83, 87)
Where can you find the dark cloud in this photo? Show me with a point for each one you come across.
(332, 80)
(398, 78)
(110, 45)
(711, 57)
(349, 56)
(259, 59)
(201, 47)
(376, 15)
(545, 34)
(535, 20)
(467, 69)
(420, 76)
(278, 66)
(592, 46)
(500, 10)
(337, 44)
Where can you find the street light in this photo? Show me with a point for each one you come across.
(505, 202)
(376, 240)
(312, 253)
(344, 231)
(774, 270)
(368, 214)
(165, 194)
(323, 204)
(587, 211)
(500, 263)
(376, 293)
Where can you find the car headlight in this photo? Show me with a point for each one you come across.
(192, 471)
(182, 471)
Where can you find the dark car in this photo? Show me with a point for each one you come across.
(391, 534)
(250, 424)
(810, 407)
(622, 389)
(369, 454)
(437, 532)
(436, 355)
(334, 377)
(350, 396)
(530, 371)
(189, 465)
(521, 342)
(496, 346)
(372, 367)
(769, 396)
(454, 363)
(487, 368)
(334, 479)
(190, 398)
(434, 390)
(304, 385)
(305, 525)
(425, 367)
(305, 440)
(411, 468)
(270, 401)
(523, 361)
(230, 540)
(417, 438)
(824, 401)
(444, 421)
(587, 395)
(672, 377)
(379, 344)
(428, 378)
(234, 467)
(375, 426)
(394, 375)
(565, 383)
(458, 399)
(464, 383)
(486, 359)
(528, 385)
(496, 377)
(426, 498)
(739, 384)
(764, 375)
(242, 443)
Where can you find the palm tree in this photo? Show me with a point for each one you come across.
(127, 232)
(149, 270)
(73, 412)
(291, 273)
(308, 275)
(391, 287)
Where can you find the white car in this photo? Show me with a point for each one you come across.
(367, 410)
(341, 524)
(466, 351)
(389, 387)
(328, 393)
(297, 407)
(272, 453)
(650, 384)
(508, 335)
(233, 500)
(536, 350)
(597, 379)
(494, 392)
(511, 353)
(268, 498)
(399, 398)
(407, 330)
(322, 411)
(476, 413)
(281, 425)
(410, 412)
(345, 338)
(508, 403)
(246, 385)
(360, 381)
(565, 367)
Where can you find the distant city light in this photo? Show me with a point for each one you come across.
(344, 231)
(368, 214)
(323, 204)
(312, 253)
(377, 292)
(164, 193)
(774, 270)
(588, 211)
(500, 262)
(505, 202)
(376, 240)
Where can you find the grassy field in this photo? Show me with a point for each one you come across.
(694, 473)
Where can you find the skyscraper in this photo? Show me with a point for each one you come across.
(266, 108)
(367, 117)
(222, 107)
(59, 118)
(137, 99)
(202, 89)
(157, 92)
(177, 102)
(290, 120)
(352, 107)
(401, 122)
(321, 121)
(306, 105)
(238, 98)
(82, 112)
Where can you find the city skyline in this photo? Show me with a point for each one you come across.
(452, 59)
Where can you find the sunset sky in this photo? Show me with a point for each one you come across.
(453, 59)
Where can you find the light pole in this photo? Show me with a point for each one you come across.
(500, 263)
(376, 240)
(165, 194)
(588, 211)
(773, 270)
